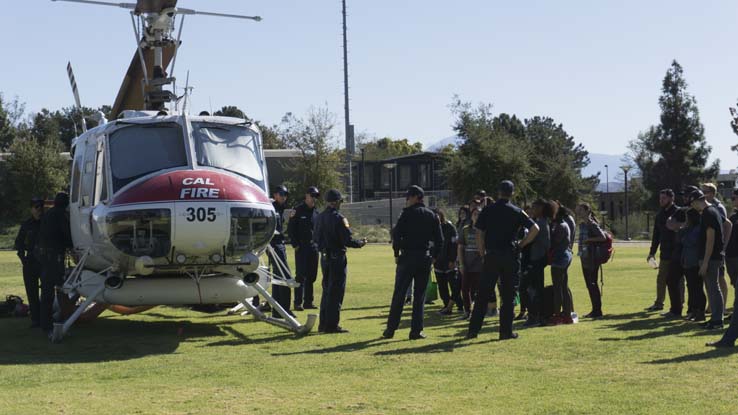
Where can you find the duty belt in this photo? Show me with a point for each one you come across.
(425, 252)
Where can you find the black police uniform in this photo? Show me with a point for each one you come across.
(501, 222)
(332, 236)
(54, 239)
(280, 293)
(300, 229)
(417, 239)
(25, 244)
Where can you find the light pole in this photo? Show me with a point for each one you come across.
(607, 179)
(391, 168)
(626, 169)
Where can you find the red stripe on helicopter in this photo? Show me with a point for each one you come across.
(197, 185)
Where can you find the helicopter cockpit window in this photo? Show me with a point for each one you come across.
(228, 147)
(138, 150)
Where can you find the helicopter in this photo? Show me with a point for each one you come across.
(168, 208)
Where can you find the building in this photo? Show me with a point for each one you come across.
(372, 178)
(726, 182)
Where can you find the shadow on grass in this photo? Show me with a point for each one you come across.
(241, 339)
(102, 340)
(710, 354)
(341, 348)
(442, 347)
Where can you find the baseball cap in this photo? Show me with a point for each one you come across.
(333, 195)
(37, 202)
(313, 191)
(414, 190)
(695, 195)
(282, 190)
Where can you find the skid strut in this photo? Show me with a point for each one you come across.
(288, 322)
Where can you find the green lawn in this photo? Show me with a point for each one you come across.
(174, 361)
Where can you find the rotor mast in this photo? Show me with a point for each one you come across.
(153, 25)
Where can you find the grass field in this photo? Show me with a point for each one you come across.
(175, 361)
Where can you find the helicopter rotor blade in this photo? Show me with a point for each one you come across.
(130, 6)
(234, 16)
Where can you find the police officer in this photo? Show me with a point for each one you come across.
(280, 293)
(332, 235)
(25, 245)
(499, 225)
(417, 241)
(54, 239)
(300, 229)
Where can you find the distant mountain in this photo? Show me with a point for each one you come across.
(453, 140)
(597, 163)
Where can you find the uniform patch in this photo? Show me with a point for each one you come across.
(346, 223)
(292, 214)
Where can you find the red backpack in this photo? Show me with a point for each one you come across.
(604, 251)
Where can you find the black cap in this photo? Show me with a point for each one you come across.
(690, 189)
(695, 195)
(37, 202)
(281, 189)
(333, 195)
(482, 193)
(313, 191)
(414, 190)
(667, 192)
(506, 187)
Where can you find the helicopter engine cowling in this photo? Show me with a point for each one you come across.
(188, 217)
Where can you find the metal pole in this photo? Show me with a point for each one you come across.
(363, 179)
(627, 206)
(392, 176)
(607, 178)
(347, 124)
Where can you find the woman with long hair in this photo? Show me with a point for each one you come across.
(561, 257)
(590, 235)
(471, 264)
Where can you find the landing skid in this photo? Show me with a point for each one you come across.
(286, 322)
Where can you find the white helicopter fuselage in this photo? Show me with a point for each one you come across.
(170, 209)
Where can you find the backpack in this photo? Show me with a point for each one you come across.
(605, 250)
(13, 307)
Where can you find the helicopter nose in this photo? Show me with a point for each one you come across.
(191, 185)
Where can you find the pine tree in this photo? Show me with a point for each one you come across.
(674, 153)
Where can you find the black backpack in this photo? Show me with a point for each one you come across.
(13, 307)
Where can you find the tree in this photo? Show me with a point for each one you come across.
(269, 135)
(557, 162)
(34, 169)
(674, 153)
(486, 155)
(8, 120)
(386, 147)
(321, 163)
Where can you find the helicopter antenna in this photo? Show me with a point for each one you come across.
(77, 101)
(154, 34)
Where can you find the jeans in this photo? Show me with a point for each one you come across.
(675, 285)
(591, 271)
(469, 289)
(696, 289)
(448, 287)
(535, 281)
(280, 293)
(500, 265)
(334, 289)
(713, 291)
(661, 282)
(306, 270)
(563, 302)
(731, 335)
(410, 268)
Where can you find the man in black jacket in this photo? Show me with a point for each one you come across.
(25, 246)
(664, 238)
(54, 240)
(417, 241)
(300, 230)
(280, 293)
(332, 236)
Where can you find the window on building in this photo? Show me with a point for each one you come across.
(405, 179)
(424, 176)
(369, 177)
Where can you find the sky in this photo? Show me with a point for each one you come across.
(594, 66)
